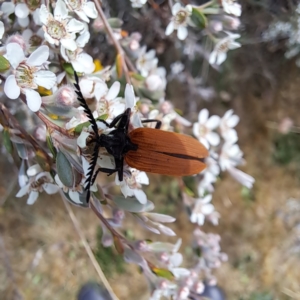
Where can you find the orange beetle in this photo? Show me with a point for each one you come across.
(146, 149)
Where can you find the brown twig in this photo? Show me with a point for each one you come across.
(11, 119)
(89, 251)
(114, 40)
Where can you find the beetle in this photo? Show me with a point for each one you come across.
(146, 149)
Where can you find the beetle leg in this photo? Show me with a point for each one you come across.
(119, 167)
(158, 122)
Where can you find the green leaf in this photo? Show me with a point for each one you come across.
(165, 273)
(198, 18)
(22, 150)
(64, 170)
(115, 22)
(132, 204)
(4, 64)
(68, 68)
(79, 127)
(50, 145)
(6, 141)
(63, 112)
(137, 76)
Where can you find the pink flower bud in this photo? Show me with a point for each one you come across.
(65, 96)
(215, 26)
(40, 133)
(16, 38)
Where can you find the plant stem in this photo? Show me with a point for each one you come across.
(114, 40)
(89, 251)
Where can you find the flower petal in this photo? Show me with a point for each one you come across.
(90, 10)
(170, 28)
(83, 38)
(44, 14)
(46, 79)
(11, 88)
(221, 58)
(21, 10)
(23, 22)
(203, 116)
(233, 121)
(176, 8)
(213, 138)
(33, 99)
(113, 91)
(81, 140)
(50, 188)
(140, 196)
(213, 122)
(129, 96)
(32, 197)
(75, 196)
(39, 56)
(8, 8)
(60, 11)
(14, 54)
(34, 170)
(182, 32)
(2, 29)
(75, 26)
(23, 191)
(68, 44)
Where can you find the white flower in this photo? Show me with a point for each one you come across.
(131, 185)
(203, 129)
(146, 61)
(2, 30)
(38, 182)
(109, 104)
(180, 20)
(81, 62)
(92, 86)
(230, 156)
(219, 54)
(202, 208)
(228, 121)
(231, 7)
(60, 28)
(83, 8)
(209, 176)
(73, 192)
(28, 74)
(138, 3)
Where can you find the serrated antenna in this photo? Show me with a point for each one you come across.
(88, 181)
(85, 106)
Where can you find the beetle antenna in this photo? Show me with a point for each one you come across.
(84, 105)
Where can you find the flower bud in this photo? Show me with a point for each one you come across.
(215, 26)
(40, 133)
(16, 38)
(65, 96)
(153, 82)
(231, 23)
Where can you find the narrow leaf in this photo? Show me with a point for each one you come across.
(4, 64)
(64, 170)
(118, 245)
(198, 18)
(119, 66)
(6, 141)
